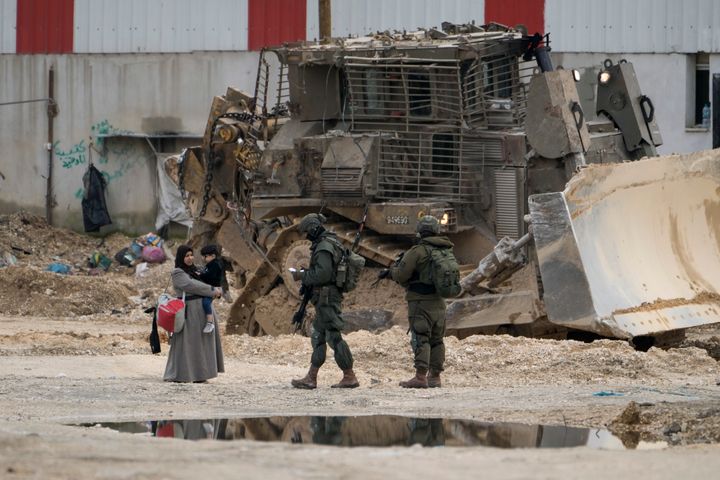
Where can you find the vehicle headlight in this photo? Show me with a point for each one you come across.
(576, 75)
(444, 219)
(604, 77)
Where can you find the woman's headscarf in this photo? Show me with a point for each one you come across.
(180, 260)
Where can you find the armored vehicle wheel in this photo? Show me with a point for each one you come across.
(297, 256)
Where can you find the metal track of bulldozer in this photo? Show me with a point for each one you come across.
(382, 249)
(266, 275)
(259, 283)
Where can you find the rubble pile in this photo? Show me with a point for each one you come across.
(29, 247)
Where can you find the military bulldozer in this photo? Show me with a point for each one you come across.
(564, 226)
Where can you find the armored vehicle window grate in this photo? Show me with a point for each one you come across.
(342, 182)
(401, 88)
(272, 89)
(507, 208)
(439, 161)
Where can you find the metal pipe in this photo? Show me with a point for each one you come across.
(26, 101)
(542, 56)
(51, 112)
(325, 18)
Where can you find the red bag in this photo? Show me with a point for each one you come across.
(171, 313)
(169, 428)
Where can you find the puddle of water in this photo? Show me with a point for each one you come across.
(381, 431)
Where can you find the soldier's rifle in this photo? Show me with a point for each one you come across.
(299, 316)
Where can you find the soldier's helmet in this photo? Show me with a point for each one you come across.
(428, 225)
(310, 223)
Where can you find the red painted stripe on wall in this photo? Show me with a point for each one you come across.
(272, 22)
(44, 26)
(530, 13)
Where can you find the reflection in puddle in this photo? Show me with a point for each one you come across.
(381, 431)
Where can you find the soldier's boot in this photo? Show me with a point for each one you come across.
(349, 380)
(433, 379)
(420, 379)
(309, 381)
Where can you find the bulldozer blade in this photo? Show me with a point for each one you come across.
(632, 249)
(466, 314)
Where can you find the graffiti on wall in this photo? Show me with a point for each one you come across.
(125, 155)
(73, 156)
(78, 153)
(99, 131)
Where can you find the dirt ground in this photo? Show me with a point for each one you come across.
(74, 350)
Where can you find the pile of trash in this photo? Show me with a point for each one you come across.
(147, 248)
(52, 271)
(141, 251)
(26, 239)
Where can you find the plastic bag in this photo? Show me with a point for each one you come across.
(57, 267)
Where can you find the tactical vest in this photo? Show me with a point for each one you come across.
(329, 243)
(347, 264)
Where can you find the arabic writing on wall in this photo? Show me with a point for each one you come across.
(125, 155)
(71, 157)
(78, 153)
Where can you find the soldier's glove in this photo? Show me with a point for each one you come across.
(384, 273)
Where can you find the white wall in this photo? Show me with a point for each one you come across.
(639, 26)
(120, 26)
(8, 18)
(666, 79)
(138, 93)
(360, 17)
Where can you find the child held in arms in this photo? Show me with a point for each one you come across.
(212, 275)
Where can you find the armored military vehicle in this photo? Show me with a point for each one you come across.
(474, 125)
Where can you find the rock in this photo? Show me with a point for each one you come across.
(674, 427)
(372, 319)
(629, 416)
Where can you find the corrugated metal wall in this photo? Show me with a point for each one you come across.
(8, 17)
(118, 26)
(351, 17)
(272, 22)
(44, 26)
(512, 12)
(621, 26)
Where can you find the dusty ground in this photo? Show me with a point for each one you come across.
(74, 350)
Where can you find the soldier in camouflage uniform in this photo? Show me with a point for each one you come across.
(426, 308)
(327, 299)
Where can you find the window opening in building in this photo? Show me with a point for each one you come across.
(702, 86)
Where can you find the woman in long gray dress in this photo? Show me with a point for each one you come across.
(194, 356)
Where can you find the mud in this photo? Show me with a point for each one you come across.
(62, 365)
(704, 297)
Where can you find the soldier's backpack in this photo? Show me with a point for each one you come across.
(348, 270)
(349, 266)
(444, 271)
